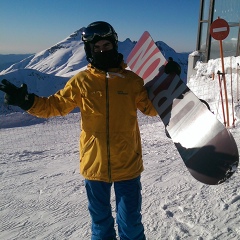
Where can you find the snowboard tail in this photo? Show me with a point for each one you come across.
(207, 148)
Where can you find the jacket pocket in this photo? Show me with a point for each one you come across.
(126, 145)
(87, 146)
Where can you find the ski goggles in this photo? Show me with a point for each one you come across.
(89, 33)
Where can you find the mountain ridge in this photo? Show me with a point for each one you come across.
(65, 59)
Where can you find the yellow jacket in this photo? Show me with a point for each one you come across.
(110, 144)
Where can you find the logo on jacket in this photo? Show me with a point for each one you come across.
(122, 92)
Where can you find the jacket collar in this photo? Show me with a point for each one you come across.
(95, 70)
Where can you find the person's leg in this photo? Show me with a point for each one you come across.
(128, 208)
(99, 206)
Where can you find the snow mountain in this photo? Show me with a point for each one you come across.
(48, 71)
(6, 60)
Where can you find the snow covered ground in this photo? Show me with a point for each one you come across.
(43, 194)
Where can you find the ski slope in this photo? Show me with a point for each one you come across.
(43, 195)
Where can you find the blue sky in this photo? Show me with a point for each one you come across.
(29, 26)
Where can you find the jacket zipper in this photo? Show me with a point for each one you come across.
(107, 129)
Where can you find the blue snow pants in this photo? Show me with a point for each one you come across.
(128, 209)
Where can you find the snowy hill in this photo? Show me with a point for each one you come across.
(64, 57)
(48, 71)
(6, 60)
(68, 56)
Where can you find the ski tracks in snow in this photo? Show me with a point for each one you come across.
(175, 205)
(43, 195)
(42, 191)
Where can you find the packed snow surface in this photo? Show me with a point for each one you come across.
(43, 195)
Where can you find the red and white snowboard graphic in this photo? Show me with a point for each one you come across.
(207, 148)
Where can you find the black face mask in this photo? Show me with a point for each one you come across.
(105, 60)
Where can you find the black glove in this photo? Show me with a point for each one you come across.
(17, 96)
(172, 67)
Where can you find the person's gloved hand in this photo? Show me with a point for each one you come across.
(17, 96)
(172, 67)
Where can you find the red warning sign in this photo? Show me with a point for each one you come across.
(219, 29)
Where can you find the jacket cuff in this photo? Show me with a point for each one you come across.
(28, 102)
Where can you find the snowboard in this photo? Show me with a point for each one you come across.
(207, 148)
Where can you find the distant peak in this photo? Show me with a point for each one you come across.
(76, 34)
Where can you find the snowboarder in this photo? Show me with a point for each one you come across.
(108, 97)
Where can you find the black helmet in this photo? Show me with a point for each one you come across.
(98, 31)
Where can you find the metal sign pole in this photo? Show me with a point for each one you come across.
(219, 30)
